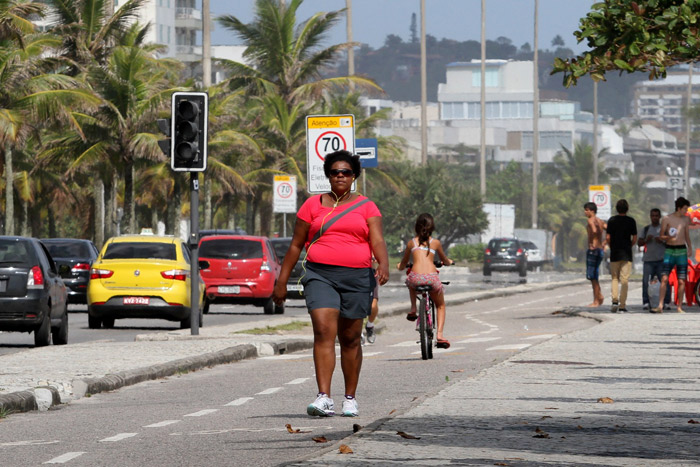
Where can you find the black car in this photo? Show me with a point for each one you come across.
(73, 258)
(32, 294)
(505, 254)
(294, 287)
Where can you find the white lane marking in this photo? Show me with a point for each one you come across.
(510, 347)
(542, 336)
(405, 344)
(268, 391)
(118, 437)
(201, 412)
(286, 357)
(163, 423)
(239, 401)
(451, 349)
(298, 381)
(63, 458)
(29, 442)
(478, 339)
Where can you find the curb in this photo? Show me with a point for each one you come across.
(45, 397)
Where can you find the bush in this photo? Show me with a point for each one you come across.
(470, 253)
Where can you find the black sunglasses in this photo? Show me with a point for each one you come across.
(336, 172)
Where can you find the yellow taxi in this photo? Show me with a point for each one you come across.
(141, 276)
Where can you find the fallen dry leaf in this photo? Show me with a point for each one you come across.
(356, 427)
(551, 408)
(692, 421)
(500, 463)
(320, 439)
(605, 400)
(457, 371)
(393, 411)
(292, 430)
(415, 398)
(345, 449)
(406, 435)
(579, 427)
(542, 435)
(545, 416)
(514, 458)
(537, 430)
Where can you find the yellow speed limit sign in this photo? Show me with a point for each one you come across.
(326, 134)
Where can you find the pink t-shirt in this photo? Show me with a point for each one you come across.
(346, 242)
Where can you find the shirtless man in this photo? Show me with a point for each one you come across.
(594, 255)
(675, 231)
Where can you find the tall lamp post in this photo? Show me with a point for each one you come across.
(482, 156)
(535, 127)
(423, 89)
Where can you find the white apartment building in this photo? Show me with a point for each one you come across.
(663, 100)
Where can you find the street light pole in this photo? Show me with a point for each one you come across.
(423, 89)
(482, 157)
(686, 185)
(535, 127)
(348, 25)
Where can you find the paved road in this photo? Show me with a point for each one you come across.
(125, 330)
(236, 414)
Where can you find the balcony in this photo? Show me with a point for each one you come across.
(189, 53)
(189, 18)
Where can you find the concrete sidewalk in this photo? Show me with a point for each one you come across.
(624, 393)
(39, 378)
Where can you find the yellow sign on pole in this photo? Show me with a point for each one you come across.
(326, 134)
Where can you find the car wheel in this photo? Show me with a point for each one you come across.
(269, 306)
(487, 271)
(60, 334)
(108, 323)
(206, 306)
(42, 334)
(94, 322)
(187, 322)
(279, 310)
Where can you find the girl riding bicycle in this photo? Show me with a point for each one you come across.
(421, 252)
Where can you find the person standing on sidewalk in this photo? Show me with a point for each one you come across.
(675, 231)
(621, 235)
(594, 255)
(653, 258)
(340, 230)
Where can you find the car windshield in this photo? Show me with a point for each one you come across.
(281, 248)
(504, 244)
(13, 252)
(145, 250)
(231, 249)
(65, 249)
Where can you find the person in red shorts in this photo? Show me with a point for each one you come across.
(340, 230)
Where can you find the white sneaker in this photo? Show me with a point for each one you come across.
(322, 406)
(646, 307)
(350, 408)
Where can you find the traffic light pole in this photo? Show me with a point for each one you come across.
(194, 253)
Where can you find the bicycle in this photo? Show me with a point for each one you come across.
(427, 322)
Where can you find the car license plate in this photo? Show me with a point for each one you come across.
(136, 300)
(234, 289)
(295, 287)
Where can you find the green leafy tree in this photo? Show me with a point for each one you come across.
(628, 35)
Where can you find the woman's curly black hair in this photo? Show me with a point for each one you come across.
(345, 156)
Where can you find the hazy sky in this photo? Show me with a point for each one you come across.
(460, 20)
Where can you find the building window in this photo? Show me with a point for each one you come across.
(494, 110)
(491, 78)
(168, 35)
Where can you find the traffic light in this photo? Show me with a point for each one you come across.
(188, 147)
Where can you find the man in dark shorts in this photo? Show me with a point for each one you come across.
(622, 234)
(594, 255)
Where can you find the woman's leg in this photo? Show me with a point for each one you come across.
(349, 332)
(325, 324)
(439, 301)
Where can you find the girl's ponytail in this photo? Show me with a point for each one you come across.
(424, 229)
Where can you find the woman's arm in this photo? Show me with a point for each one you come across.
(376, 241)
(443, 257)
(301, 232)
(406, 256)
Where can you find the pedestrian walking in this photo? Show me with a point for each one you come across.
(594, 255)
(653, 259)
(621, 235)
(675, 231)
(340, 230)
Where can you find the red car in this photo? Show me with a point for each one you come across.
(242, 269)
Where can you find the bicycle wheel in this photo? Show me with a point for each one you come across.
(431, 329)
(423, 326)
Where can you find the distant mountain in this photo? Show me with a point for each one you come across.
(396, 68)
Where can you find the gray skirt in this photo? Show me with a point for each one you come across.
(346, 289)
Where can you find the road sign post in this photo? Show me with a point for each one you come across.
(600, 195)
(326, 134)
(284, 197)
